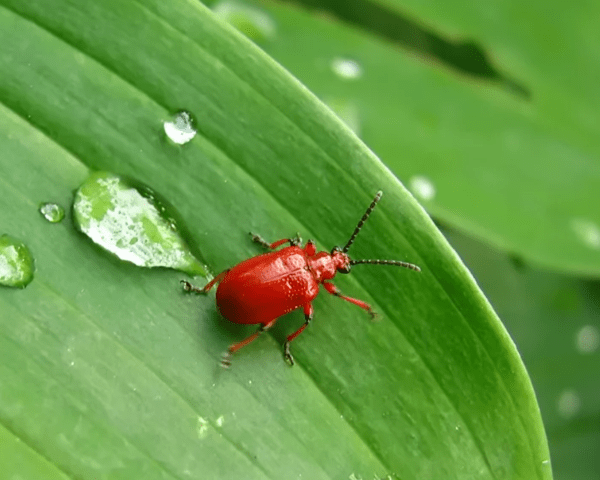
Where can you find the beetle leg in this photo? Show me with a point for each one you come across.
(331, 288)
(272, 246)
(308, 315)
(225, 362)
(188, 287)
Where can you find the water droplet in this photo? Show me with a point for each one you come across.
(255, 24)
(133, 226)
(422, 187)
(219, 421)
(16, 264)
(588, 339)
(180, 129)
(202, 427)
(347, 112)
(52, 212)
(568, 403)
(346, 68)
(587, 231)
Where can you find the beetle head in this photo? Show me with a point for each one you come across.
(341, 260)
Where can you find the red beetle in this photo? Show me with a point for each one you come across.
(263, 288)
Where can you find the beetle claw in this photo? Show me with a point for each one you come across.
(296, 241)
(188, 287)
(226, 359)
(287, 355)
(256, 238)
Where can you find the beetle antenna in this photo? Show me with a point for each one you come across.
(362, 221)
(397, 263)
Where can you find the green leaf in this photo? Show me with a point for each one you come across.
(510, 157)
(110, 371)
(554, 321)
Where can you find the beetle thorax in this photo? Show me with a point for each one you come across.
(324, 266)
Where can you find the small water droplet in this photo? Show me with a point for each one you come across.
(587, 231)
(202, 427)
(254, 23)
(422, 187)
(346, 68)
(568, 403)
(52, 212)
(131, 225)
(180, 129)
(588, 339)
(219, 421)
(16, 263)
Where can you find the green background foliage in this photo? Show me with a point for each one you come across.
(109, 371)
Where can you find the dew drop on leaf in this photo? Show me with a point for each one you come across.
(180, 129)
(422, 187)
(16, 263)
(588, 339)
(52, 212)
(346, 68)
(130, 222)
(568, 403)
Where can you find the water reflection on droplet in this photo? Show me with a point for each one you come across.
(346, 68)
(16, 263)
(52, 212)
(588, 339)
(422, 187)
(587, 231)
(202, 427)
(133, 226)
(252, 22)
(180, 129)
(569, 403)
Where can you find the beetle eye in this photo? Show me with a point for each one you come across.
(345, 269)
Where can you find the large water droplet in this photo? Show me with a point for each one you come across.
(16, 264)
(133, 226)
(180, 129)
(346, 68)
(52, 212)
(253, 23)
(422, 187)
